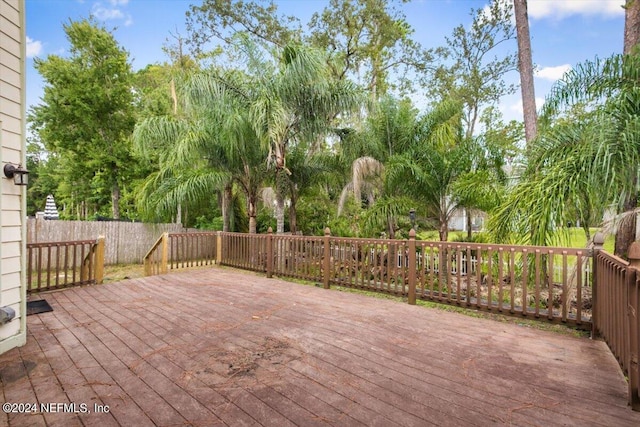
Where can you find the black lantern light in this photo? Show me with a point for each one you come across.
(18, 173)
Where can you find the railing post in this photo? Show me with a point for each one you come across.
(164, 260)
(270, 252)
(219, 248)
(326, 260)
(99, 269)
(633, 299)
(412, 271)
(598, 242)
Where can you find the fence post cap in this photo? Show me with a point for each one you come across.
(327, 231)
(269, 230)
(634, 251)
(598, 240)
(412, 234)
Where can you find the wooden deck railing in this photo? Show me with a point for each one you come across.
(616, 317)
(55, 265)
(547, 283)
(180, 250)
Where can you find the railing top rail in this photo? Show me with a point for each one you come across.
(500, 246)
(195, 233)
(65, 243)
(606, 256)
(153, 248)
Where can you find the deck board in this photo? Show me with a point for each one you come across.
(217, 346)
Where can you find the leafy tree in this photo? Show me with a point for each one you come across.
(86, 117)
(368, 38)
(222, 20)
(473, 69)
(214, 144)
(363, 38)
(388, 130)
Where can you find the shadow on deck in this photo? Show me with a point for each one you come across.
(222, 347)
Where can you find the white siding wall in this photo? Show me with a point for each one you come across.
(12, 197)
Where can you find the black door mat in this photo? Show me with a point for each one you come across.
(38, 306)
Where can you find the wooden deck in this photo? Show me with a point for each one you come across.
(217, 346)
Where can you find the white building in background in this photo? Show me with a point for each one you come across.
(12, 197)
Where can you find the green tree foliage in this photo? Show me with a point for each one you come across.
(367, 41)
(429, 169)
(86, 116)
(475, 61)
(585, 158)
(296, 100)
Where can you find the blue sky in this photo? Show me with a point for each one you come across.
(563, 32)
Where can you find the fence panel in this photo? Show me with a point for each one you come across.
(126, 242)
(56, 265)
(296, 257)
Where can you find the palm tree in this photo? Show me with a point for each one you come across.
(294, 105)
(389, 130)
(589, 163)
(429, 169)
(219, 137)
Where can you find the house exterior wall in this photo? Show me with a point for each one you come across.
(12, 150)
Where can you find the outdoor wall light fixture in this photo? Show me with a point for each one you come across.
(18, 173)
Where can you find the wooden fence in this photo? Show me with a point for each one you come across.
(56, 265)
(125, 242)
(616, 318)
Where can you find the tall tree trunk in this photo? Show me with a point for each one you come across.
(253, 229)
(469, 224)
(115, 200)
(281, 185)
(631, 25)
(279, 213)
(293, 214)
(227, 197)
(525, 67)
(391, 227)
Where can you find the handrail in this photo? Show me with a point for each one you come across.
(180, 250)
(617, 305)
(55, 265)
(155, 261)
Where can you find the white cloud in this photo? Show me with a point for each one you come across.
(552, 73)
(34, 47)
(539, 9)
(105, 14)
